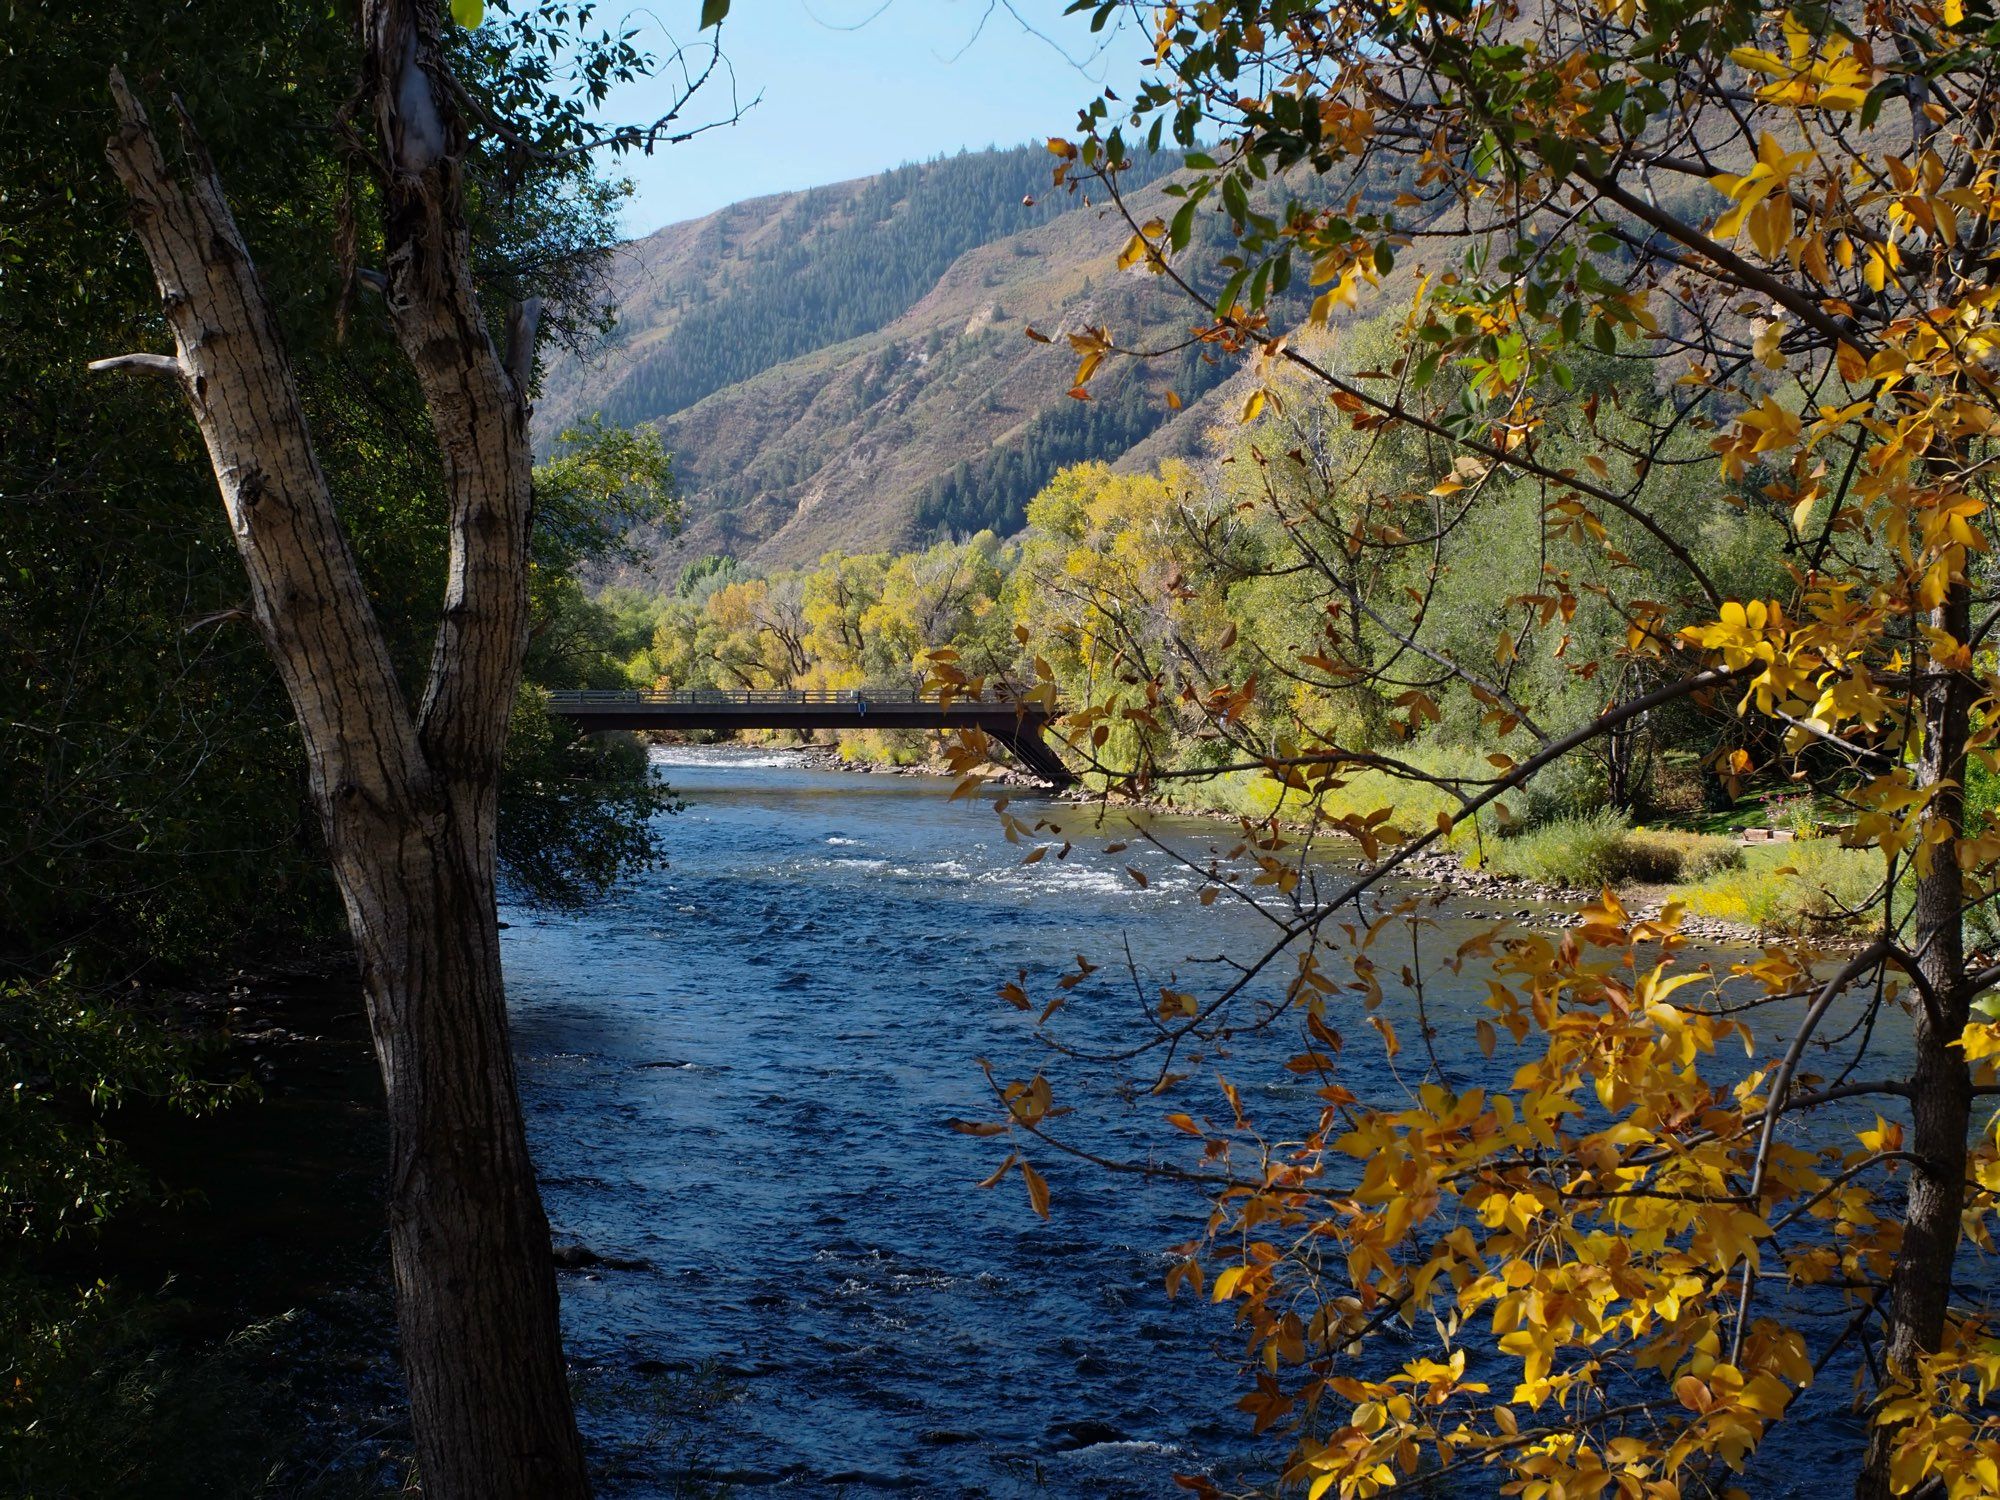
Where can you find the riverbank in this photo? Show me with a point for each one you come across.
(243, 1344)
(1478, 893)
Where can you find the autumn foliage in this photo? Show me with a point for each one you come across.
(1636, 1203)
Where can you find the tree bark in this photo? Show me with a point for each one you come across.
(407, 802)
(1919, 1291)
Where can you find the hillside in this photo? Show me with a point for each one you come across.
(846, 368)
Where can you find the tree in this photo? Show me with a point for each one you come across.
(407, 799)
(1645, 241)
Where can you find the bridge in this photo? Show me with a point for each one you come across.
(1017, 726)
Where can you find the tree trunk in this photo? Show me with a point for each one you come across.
(408, 803)
(1919, 1290)
(475, 1286)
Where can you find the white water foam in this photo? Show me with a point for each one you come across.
(720, 757)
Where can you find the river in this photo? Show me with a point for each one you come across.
(737, 1073)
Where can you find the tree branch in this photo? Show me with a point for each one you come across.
(138, 364)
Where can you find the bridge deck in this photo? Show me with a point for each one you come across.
(1018, 726)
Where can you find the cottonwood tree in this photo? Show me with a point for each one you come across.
(406, 792)
(1778, 226)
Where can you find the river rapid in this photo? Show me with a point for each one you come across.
(737, 1073)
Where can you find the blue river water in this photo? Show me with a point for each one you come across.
(738, 1072)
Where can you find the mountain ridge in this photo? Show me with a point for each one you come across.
(942, 417)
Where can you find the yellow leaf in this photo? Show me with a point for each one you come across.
(1253, 406)
(1136, 251)
(1038, 1190)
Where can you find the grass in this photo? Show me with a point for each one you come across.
(1554, 847)
(1414, 805)
(1790, 887)
(115, 1399)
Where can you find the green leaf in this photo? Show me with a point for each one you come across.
(1871, 107)
(712, 12)
(1230, 288)
(1234, 200)
(1560, 155)
(468, 13)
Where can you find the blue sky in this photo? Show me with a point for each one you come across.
(851, 87)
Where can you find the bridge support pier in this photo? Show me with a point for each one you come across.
(1037, 758)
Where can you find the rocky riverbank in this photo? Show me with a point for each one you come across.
(829, 758)
(1476, 893)
(1480, 894)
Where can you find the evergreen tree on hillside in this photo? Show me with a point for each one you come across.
(991, 492)
(845, 260)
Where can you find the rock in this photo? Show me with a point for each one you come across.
(581, 1257)
(1086, 1434)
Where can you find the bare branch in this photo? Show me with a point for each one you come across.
(139, 364)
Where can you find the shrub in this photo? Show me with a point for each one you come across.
(1576, 850)
(1571, 788)
(1593, 849)
(1669, 855)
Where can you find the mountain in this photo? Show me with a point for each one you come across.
(847, 368)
